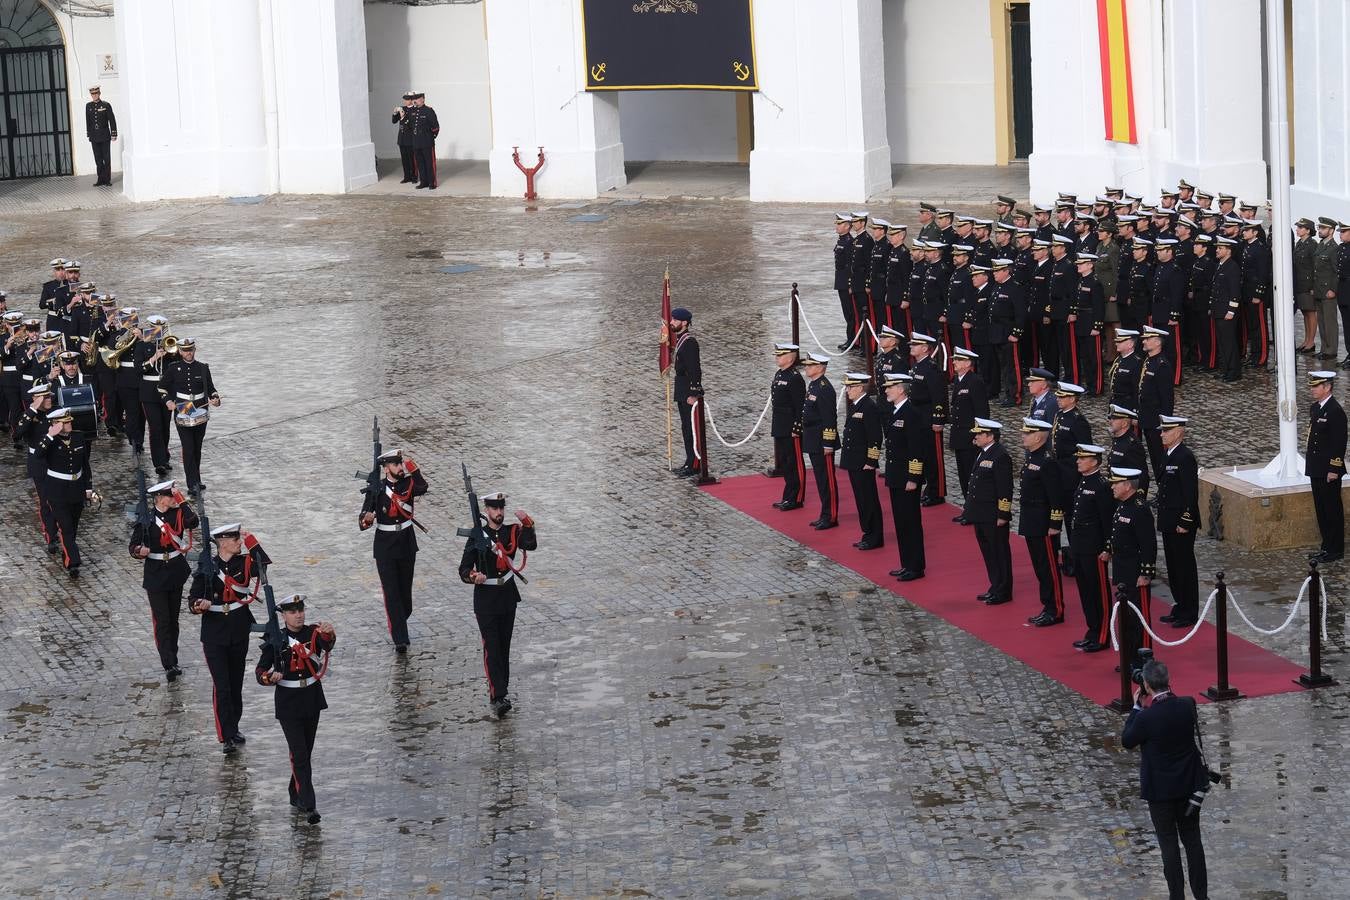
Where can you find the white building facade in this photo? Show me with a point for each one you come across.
(247, 97)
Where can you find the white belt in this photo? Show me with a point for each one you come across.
(27, 377)
(126, 364)
(149, 378)
(9, 368)
(164, 557)
(190, 396)
(224, 607)
(303, 682)
(399, 527)
(63, 476)
(500, 581)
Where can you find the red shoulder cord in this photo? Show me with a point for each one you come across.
(504, 553)
(231, 584)
(169, 535)
(302, 657)
(397, 501)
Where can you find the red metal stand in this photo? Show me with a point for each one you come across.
(529, 173)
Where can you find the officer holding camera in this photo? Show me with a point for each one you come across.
(1173, 776)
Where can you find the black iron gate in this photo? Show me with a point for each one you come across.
(34, 113)
(1020, 15)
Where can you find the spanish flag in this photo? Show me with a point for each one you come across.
(1113, 34)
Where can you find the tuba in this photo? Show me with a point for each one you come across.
(112, 356)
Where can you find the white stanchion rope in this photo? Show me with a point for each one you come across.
(1200, 620)
(807, 322)
(758, 422)
(1303, 592)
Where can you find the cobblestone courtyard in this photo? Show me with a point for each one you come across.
(705, 708)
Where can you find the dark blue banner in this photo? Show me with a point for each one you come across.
(669, 44)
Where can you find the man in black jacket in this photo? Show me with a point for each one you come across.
(1007, 324)
(969, 402)
(929, 393)
(1087, 320)
(1090, 515)
(820, 437)
(297, 676)
(899, 264)
(224, 605)
(1343, 285)
(1168, 297)
(189, 393)
(860, 270)
(906, 449)
(1042, 518)
(860, 455)
(989, 509)
(788, 391)
(688, 384)
(843, 270)
(405, 148)
(1225, 310)
(1132, 550)
(1155, 393)
(101, 126)
(492, 571)
(1126, 450)
(162, 544)
(424, 128)
(391, 512)
(68, 484)
(1178, 519)
(1256, 278)
(1325, 467)
(1171, 769)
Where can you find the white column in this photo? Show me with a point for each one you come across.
(1321, 116)
(820, 115)
(322, 117)
(237, 64)
(535, 69)
(1213, 97)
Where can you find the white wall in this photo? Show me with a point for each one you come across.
(939, 81)
(441, 51)
(1321, 34)
(680, 125)
(86, 38)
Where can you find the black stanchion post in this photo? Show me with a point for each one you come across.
(704, 476)
(796, 316)
(1223, 690)
(1315, 677)
(1125, 702)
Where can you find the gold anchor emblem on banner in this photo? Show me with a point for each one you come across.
(741, 69)
(598, 72)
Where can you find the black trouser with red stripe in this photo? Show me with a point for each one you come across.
(66, 515)
(190, 442)
(1182, 576)
(227, 663)
(425, 158)
(110, 402)
(822, 464)
(1094, 593)
(157, 420)
(1011, 362)
(14, 402)
(396, 581)
(409, 163)
(935, 488)
(1044, 553)
(787, 458)
(164, 609)
(46, 518)
(908, 518)
(1088, 348)
(300, 734)
(1257, 331)
(495, 629)
(850, 312)
(133, 415)
(864, 484)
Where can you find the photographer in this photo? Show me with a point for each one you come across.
(1173, 777)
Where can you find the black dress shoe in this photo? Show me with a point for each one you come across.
(1314, 556)
(1332, 557)
(1045, 621)
(400, 648)
(909, 575)
(983, 598)
(228, 748)
(313, 818)
(777, 504)
(73, 571)
(930, 501)
(171, 674)
(858, 545)
(1326, 356)
(501, 707)
(1229, 379)
(896, 573)
(790, 506)
(1092, 647)
(239, 739)
(997, 601)
(960, 519)
(1167, 618)
(684, 472)
(1182, 623)
(407, 181)
(1345, 363)
(815, 523)
(825, 526)
(840, 346)
(1081, 644)
(871, 545)
(54, 548)
(161, 470)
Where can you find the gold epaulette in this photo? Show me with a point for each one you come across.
(874, 453)
(1338, 463)
(916, 467)
(1005, 506)
(829, 434)
(1056, 515)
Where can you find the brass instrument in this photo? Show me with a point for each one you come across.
(91, 352)
(112, 356)
(169, 344)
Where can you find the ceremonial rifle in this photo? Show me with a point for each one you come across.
(479, 542)
(271, 629)
(206, 560)
(373, 479)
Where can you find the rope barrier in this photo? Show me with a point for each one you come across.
(1303, 592)
(758, 422)
(801, 311)
(1200, 620)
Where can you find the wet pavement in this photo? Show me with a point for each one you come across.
(704, 707)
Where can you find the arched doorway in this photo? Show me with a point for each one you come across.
(34, 102)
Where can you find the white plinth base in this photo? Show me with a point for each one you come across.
(820, 176)
(1270, 476)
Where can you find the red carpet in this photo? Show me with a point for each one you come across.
(956, 574)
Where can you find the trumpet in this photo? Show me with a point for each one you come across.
(169, 344)
(112, 356)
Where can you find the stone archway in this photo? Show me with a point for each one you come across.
(34, 96)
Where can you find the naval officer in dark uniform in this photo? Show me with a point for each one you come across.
(1325, 467)
(405, 147)
(392, 513)
(989, 509)
(788, 392)
(100, 124)
(162, 544)
(424, 129)
(820, 437)
(860, 455)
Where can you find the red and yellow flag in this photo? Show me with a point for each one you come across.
(665, 323)
(1117, 84)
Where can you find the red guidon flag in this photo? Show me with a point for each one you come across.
(1113, 36)
(665, 323)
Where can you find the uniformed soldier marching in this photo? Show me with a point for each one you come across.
(227, 618)
(820, 437)
(69, 483)
(787, 392)
(100, 124)
(492, 571)
(297, 676)
(29, 432)
(189, 392)
(969, 402)
(1091, 513)
(688, 384)
(163, 544)
(424, 128)
(1042, 518)
(405, 147)
(907, 433)
(860, 455)
(150, 360)
(929, 394)
(392, 511)
(1132, 551)
(1325, 466)
(989, 509)
(1178, 519)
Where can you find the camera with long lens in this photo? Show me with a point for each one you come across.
(1142, 657)
(1198, 795)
